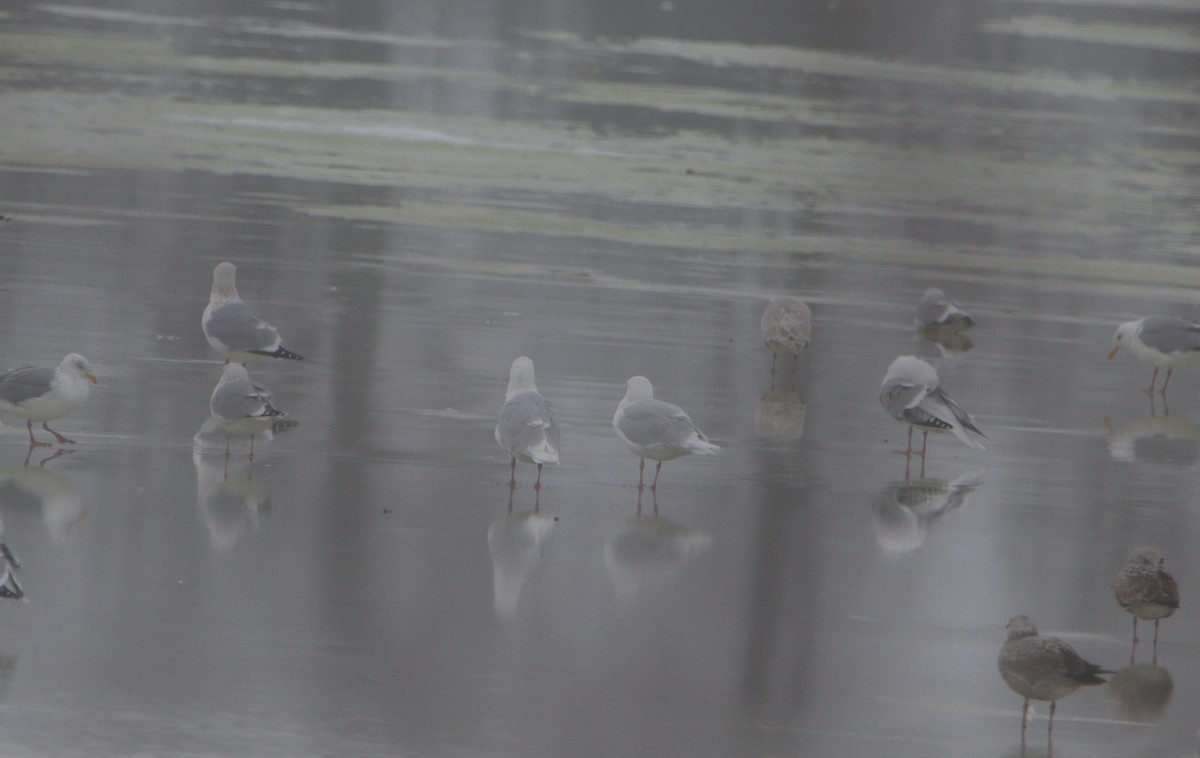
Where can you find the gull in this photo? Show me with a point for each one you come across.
(528, 425)
(1166, 342)
(232, 328)
(910, 393)
(653, 429)
(43, 394)
(1145, 589)
(1042, 668)
(937, 311)
(786, 328)
(241, 406)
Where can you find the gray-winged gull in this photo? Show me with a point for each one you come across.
(1166, 342)
(1042, 668)
(528, 426)
(937, 311)
(232, 328)
(654, 429)
(44, 394)
(241, 406)
(910, 393)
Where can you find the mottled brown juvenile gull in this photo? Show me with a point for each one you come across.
(910, 393)
(1042, 668)
(528, 426)
(937, 311)
(1145, 589)
(1166, 342)
(654, 429)
(786, 328)
(44, 394)
(232, 328)
(241, 406)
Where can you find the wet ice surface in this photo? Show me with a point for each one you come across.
(415, 198)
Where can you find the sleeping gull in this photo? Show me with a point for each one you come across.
(910, 393)
(937, 311)
(1145, 589)
(241, 406)
(1166, 342)
(786, 328)
(43, 394)
(232, 328)
(1042, 668)
(528, 425)
(654, 429)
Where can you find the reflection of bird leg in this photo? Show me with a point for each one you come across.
(1163, 390)
(922, 464)
(641, 473)
(537, 486)
(57, 454)
(252, 447)
(537, 500)
(61, 439)
(228, 437)
(639, 504)
(795, 362)
(1154, 654)
(655, 482)
(1153, 379)
(32, 441)
(654, 495)
(510, 498)
(774, 357)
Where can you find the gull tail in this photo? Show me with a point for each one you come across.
(279, 352)
(701, 446)
(544, 453)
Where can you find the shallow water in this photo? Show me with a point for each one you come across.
(416, 195)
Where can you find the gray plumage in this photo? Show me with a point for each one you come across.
(232, 328)
(1166, 342)
(1145, 588)
(528, 425)
(655, 429)
(1043, 668)
(241, 406)
(937, 311)
(911, 395)
(44, 394)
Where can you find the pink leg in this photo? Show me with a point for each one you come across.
(641, 473)
(537, 486)
(1153, 379)
(32, 441)
(655, 483)
(61, 439)
(1163, 391)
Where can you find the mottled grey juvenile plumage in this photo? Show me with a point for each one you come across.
(1145, 589)
(1042, 668)
(786, 328)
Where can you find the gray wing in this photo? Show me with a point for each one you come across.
(899, 397)
(240, 328)
(938, 400)
(243, 399)
(25, 383)
(526, 420)
(654, 423)
(1168, 334)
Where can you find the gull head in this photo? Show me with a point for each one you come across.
(637, 388)
(233, 372)
(520, 377)
(1145, 556)
(1124, 336)
(1021, 626)
(78, 365)
(223, 281)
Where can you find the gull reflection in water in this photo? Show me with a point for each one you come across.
(10, 585)
(51, 492)
(650, 551)
(519, 543)
(904, 511)
(1159, 438)
(779, 415)
(230, 505)
(8, 669)
(942, 346)
(1141, 691)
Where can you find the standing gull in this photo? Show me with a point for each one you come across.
(653, 429)
(1166, 342)
(43, 394)
(937, 311)
(786, 328)
(241, 406)
(1145, 589)
(1042, 668)
(528, 425)
(232, 328)
(910, 393)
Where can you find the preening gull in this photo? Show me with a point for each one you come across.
(654, 429)
(910, 393)
(232, 328)
(44, 394)
(528, 426)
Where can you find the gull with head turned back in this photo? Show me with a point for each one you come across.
(937, 311)
(233, 329)
(655, 429)
(912, 395)
(528, 426)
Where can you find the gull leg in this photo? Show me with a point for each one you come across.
(654, 484)
(1024, 719)
(1153, 379)
(908, 451)
(512, 474)
(774, 357)
(537, 486)
(1163, 391)
(1135, 639)
(61, 439)
(924, 443)
(1050, 731)
(641, 473)
(32, 441)
(228, 437)
(251, 448)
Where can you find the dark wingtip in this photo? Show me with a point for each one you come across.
(282, 352)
